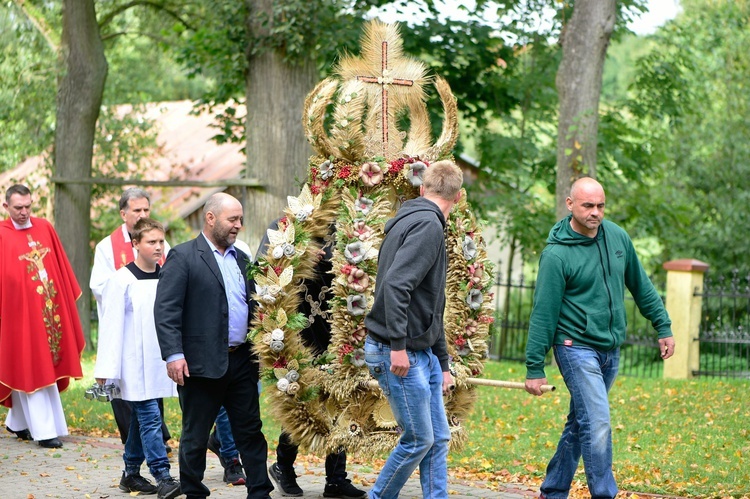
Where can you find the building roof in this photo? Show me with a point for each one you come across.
(186, 142)
(186, 151)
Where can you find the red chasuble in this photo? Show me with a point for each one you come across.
(123, 250)
(41, 339)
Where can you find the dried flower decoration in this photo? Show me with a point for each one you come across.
(356, 252)
(358, 280)
(415, 172)
(326, 170)
(362, 231)
(282, 384)
(470, 248)
(303, 205)
(474, 299)
(356, 304)
(371, 174)
(363, 205)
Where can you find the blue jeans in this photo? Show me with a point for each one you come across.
(227, 448)
(588, 374)
(417, 404)
(145, 441)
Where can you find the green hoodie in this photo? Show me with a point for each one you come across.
(580, 293)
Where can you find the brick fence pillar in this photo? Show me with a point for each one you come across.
(684, 278)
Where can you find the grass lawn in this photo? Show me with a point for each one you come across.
(686, 438)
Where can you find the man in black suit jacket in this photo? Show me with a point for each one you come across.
(202, 312)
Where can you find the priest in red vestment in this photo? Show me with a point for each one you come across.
(41, 339)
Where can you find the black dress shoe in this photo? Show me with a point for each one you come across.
(22, 434)
(51, 443)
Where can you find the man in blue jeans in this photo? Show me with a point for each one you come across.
(579, 312)
(405, 349)
(221, 443)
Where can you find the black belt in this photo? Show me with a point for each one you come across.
(237, 347)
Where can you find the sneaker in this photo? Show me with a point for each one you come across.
(213, 446)
(287, 481)
(343, 490)
(233, 473)
(136, 483)
(168, 489)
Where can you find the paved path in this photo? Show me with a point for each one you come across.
(89, 467)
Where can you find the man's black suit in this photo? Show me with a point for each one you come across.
(191, 313)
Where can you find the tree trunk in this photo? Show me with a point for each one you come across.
(277, 150)
(79, 95)
(585, 40)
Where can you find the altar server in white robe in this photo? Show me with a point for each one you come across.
(128, 356)
(111, 254)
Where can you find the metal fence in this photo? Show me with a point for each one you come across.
(513, 301)
(725, 327)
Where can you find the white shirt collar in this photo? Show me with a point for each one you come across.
(27, 225)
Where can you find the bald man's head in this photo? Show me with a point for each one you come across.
(586, 204)
(585, 184)
(222, 219)
(217, 202)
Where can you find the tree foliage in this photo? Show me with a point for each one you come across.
(672, 150)
(27, 89)
(141, 68)
(692, 92)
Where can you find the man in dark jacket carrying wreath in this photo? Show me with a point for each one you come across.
(579, 313)
(405, 349)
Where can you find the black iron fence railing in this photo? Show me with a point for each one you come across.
(724, 333)
(725, 326)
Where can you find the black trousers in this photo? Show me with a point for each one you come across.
(200, 400)
(123, 411)
(286, 454)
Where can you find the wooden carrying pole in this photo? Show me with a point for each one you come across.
(487, 382)
(505, 384)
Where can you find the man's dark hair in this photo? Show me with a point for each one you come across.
(16, 189)
(133, 193)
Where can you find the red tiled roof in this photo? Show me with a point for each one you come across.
(186, 148)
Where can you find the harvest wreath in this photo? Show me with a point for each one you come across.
(364, 168)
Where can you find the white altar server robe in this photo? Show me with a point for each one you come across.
(128, 351)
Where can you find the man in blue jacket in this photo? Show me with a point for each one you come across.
(579, 313)
(405, 349)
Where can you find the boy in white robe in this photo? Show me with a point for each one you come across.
(128, 355)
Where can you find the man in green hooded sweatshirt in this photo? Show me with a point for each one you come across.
(579, 313)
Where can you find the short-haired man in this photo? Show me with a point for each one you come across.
(203, 308)
(41, 339)
(405, 349)
(111, 254)
(116, 250)
(579, 313)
